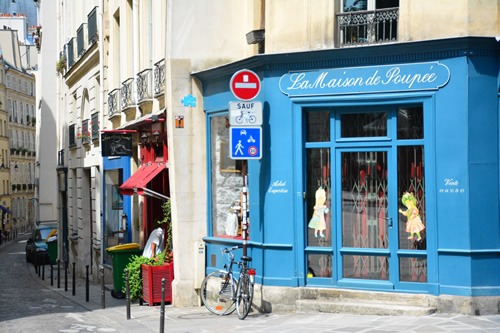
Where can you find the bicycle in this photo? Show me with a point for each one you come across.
(221, 293)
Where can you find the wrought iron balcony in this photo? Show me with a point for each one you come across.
(60, 157)
(127, 93)
(368, 27)
(159, 73)
(92, 26)
(85, 135)
(71, 136)
(114, 102)
(143, 83)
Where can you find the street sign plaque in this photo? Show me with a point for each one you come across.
(245, 143)
(245, 113)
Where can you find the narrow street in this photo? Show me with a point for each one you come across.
(27, 305)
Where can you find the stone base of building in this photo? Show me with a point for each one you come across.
(283, 299)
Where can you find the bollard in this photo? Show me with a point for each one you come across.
(74, 280)
(87, 283)
(51, 274)
(37, 260)
(103, 297)
(58, 274)
(65, 276)
(43, 268)
(162, 310)
(127, 293)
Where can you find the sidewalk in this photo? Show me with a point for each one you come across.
(198, 319)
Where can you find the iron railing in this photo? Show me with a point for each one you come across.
(114, 102)
(368, 27)
(159, 74)
(143, 83)
(92, 26)
(127, 93)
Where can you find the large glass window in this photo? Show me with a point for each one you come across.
(227, 181)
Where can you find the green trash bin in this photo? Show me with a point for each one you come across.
(120, 257)
(52, 250)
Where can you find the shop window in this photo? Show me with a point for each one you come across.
(410, 123)
(411, 192)
(368, 267)
(319, 221)
(317, 126)
(227, 182)
(358, 125)
(319, 265)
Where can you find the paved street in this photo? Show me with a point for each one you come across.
(30, 304)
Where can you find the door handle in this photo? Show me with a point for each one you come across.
(389, 221)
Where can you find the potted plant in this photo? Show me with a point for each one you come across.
(146, 274)
(61, 65)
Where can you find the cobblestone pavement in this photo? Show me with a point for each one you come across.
(29, 303)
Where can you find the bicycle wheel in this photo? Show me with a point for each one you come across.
(217, 293)
(244, 296)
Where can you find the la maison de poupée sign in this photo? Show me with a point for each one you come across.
(371, 79)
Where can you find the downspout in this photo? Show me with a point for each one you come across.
(100, 184)
(136, 65)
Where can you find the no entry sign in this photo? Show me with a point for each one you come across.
(245, 85)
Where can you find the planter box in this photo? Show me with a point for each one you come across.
(151, 283)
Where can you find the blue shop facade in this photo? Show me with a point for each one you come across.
(379, 168)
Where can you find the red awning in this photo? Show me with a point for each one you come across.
(141, 178)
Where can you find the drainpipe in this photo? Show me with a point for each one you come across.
(100, 184)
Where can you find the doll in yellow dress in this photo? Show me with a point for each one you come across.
(414, 224)
(317, 221)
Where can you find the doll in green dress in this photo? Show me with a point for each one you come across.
(414, 224)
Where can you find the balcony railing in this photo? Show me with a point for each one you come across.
(114, 102)
(94, 126)
(127, 93)
(71, 52)
(368, 27)
(143, 83)
(71, 136)
(92, 26)
(159, 73)
(85, 135)
(80, 39)
(60, 157)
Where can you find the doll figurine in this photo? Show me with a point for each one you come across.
(317, 221)
(414, 224)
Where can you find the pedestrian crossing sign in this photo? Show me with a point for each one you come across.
(245, 143)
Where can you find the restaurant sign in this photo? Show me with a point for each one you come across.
(371, 79)
(116, 144)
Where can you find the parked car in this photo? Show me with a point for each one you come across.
(37, 242)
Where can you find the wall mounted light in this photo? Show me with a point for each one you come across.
(156, 136)
(144, 138)
(255, 36)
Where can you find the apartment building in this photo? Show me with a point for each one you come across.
(371, 110)
(19, 134)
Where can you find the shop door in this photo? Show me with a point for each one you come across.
(365, 189)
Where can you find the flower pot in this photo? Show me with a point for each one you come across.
(151, 282)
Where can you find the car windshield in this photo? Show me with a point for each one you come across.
(42, 234)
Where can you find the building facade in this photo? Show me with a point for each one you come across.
(371, 111)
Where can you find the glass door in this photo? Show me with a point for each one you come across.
(367, 230)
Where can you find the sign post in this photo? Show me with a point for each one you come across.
(245, 133)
